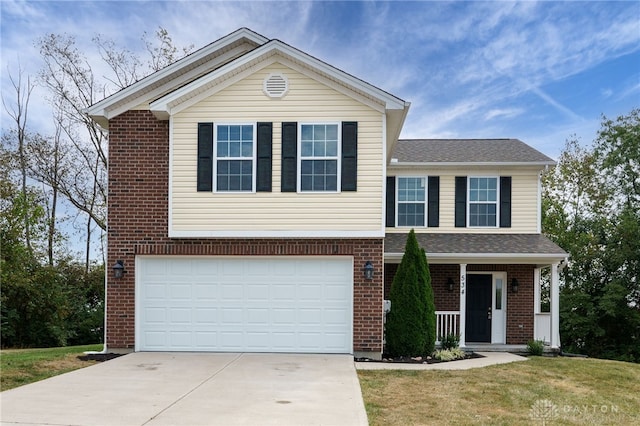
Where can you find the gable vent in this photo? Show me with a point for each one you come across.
(275, 85)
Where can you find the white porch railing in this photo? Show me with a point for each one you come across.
(542, 327)
(447, 322)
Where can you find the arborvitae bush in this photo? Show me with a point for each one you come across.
(411, 323)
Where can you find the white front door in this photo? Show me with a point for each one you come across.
(234, 304)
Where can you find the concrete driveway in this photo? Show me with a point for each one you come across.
(195, 389)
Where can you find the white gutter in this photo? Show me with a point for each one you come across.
(397, 164)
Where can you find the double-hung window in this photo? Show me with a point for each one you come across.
(234, 157)
(483, 201)
(411, 201)
(319, 157)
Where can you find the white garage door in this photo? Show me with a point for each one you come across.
(284, 304)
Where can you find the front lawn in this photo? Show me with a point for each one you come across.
(22, 366)
(558, 391)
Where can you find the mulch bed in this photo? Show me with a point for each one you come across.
(416, 360)
(98, 357)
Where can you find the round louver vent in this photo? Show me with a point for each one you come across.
(275, 85)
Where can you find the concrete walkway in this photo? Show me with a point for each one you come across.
(490, 358)
(195, 389)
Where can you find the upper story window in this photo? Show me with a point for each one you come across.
(234, 157)
(319, 157)
(483, 201)
(411, 201)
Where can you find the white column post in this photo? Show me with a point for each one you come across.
(536, 303)
(555, 307)
(463, 302)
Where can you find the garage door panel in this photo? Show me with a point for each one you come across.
(244, 304)
(180, 316)
(206, 292)
(206, 316)
(180, 291)
(258, 292)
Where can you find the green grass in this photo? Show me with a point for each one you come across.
(584, 392)
(22, 366)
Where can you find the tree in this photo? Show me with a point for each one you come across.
(74, 86)
(18, 111)
(410, 328)
(592, 209)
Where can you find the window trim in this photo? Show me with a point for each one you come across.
(496, 203)
(426, 202)
(338, 157)
(253, 157)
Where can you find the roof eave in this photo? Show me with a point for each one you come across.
(162, 106)
(99, 111)
(395, 122)
(498, 258)
(397, 164)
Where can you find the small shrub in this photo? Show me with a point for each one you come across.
(535, 347)
(450, 341)
(449, 354)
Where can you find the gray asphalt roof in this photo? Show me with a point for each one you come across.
(475, 243)
(467, 151)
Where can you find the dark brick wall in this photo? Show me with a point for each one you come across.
(520, 316)
(138, 225)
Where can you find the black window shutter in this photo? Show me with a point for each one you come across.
(289, 167)
(205, 157)
(505, 202)
(391, 202)
(461, 202)
(349, 156)
(433, 200)
(263, 166)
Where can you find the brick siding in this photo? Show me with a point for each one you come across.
(520, 318)
(138, 225)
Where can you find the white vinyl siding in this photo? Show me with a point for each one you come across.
(290, 214)
(524, 198)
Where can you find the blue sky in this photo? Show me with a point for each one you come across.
(537, 71)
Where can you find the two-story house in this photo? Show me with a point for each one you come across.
(259, 200)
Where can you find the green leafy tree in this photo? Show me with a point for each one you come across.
(592, 209)
(410, 328)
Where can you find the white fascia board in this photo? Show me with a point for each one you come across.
(164, 103)
(100, 108)
(498, 258)
(395, 122)
(390, 101)
(537, 164)
(276, 234)
(169, 105)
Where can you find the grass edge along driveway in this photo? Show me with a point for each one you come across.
(19, 367)
(558, 391)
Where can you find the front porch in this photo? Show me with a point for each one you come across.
(493, 307)
(496, 291)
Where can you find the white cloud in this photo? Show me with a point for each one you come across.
(503, 113)
(458, 63)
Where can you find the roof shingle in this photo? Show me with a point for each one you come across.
(476, 244)
(467, 151)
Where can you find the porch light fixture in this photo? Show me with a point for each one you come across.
(514, 285)
(368, 270)
(450, 284)
(118, 269)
